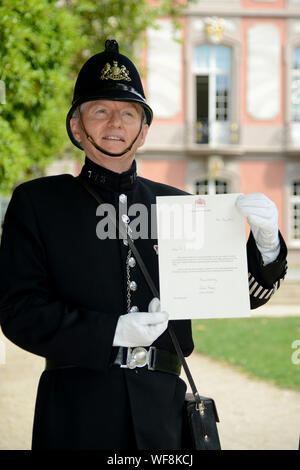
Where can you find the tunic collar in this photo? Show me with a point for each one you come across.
(107, 179)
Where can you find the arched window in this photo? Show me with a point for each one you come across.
(212, 186)
(212, 70)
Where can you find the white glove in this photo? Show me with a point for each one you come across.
(262, 216)
(141, 328)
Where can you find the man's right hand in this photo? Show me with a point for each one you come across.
(141, 328)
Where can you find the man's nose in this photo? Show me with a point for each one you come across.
(115, 119)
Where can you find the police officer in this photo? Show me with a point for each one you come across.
(112, 375)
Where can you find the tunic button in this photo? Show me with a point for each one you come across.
(123, 198)
(133, 286)
(134, 309)
(131, 262)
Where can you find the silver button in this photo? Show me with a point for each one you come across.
(134, 309)
(131, 262)
(125, 219)
(133, 285)
(123, 198)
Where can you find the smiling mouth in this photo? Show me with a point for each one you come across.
(113, 138)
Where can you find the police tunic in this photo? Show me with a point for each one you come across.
(62, 290)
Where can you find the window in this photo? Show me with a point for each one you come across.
(295, 211)
(212, 69)
(212, 186)
(296, 85)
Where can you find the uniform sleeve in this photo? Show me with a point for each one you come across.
(264, 280)
(31, 314)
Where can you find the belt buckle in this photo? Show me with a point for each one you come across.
(136, 357)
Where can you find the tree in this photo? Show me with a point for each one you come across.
(43, 44)
(37, 42)
(124, 20)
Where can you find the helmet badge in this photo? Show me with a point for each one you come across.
(114, 72)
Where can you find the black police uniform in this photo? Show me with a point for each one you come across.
(62, 290)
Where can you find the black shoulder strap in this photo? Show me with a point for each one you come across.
(150, 284)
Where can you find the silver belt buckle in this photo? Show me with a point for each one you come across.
(136, 357)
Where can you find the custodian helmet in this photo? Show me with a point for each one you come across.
(108, 75)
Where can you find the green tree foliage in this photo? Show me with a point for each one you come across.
(124, 20)
(37, 42)
(43, 44)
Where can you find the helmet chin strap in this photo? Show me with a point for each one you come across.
(91, 140)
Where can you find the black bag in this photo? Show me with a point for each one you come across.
(199, 428)
(199, 431)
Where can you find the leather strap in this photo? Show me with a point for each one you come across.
(51, 365)
(158, 359)
(164, 361)
(90, 139)
(151, 285)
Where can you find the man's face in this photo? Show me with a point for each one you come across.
(113, 125)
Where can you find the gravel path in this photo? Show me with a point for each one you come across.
(253, 415)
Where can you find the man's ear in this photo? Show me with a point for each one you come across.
(75, 128)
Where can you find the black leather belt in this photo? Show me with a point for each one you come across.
(130, 358)
(153, 358)
(51, 365)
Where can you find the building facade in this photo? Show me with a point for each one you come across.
(226, 101)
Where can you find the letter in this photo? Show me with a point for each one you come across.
(156, 459)
(107, 221)
(193, 227)
(296, 354)
(141, 221)
(122, 211)
(153, 222)
(129, 460)
(168, 215)
(187, 460)
(110, 461)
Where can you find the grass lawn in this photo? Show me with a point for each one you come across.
(261, 347)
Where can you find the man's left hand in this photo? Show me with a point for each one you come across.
(262, 216)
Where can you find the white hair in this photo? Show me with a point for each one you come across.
(75, 112)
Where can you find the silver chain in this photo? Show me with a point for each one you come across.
(128, 280)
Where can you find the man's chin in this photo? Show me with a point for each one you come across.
(114, 150)
(112, 155)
